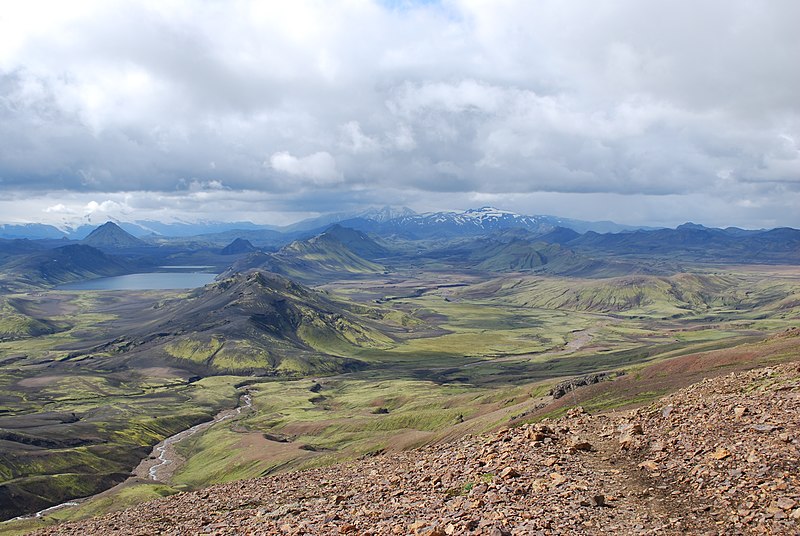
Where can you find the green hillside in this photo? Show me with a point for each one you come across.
(357, 242)
(321, 255)
(319, 258)
(16, 323)
(255, 322)
(678, 295)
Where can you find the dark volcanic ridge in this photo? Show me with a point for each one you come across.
(64, 264)
(238, 246)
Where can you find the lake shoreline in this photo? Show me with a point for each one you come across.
(165, 280)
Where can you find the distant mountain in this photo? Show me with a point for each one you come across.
(559, 235)
(257, 322)
(260, 238)
(583, 226)
(80, 229)
(29, 230)
(693, 242)
(472, 222)
(184, 229)
(357, 242)
(401, 221)
(62, 265)
(373, 214)
(449, 224)
(469, 222)
(237, 247)
(321, 257)
(18, 246)
(554, 259)
(386, 213)
(80, 232)
(112, 236)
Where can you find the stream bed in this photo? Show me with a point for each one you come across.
(161, 464)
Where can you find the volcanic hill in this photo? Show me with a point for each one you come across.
(257, 322)
(112, 236)
(336, 253)
(238, 246)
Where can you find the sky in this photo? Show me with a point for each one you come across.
(645, 113)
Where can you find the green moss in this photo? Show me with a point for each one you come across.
(194, 350)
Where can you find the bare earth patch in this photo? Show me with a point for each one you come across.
(718, 457)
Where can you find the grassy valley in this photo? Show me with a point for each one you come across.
(386, 344)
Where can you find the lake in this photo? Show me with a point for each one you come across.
(147, 281)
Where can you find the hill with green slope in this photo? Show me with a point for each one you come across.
(332, 254)
(17, 323)
(256, 322)
(678, 295)
(357, 242)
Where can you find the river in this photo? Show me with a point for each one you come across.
(164, 452)
(163, 455)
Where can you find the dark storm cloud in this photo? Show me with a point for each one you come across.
(309, 104)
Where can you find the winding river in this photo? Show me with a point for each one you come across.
(163, 453)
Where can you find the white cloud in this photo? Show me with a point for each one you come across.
(59, 208)
(462, 97)
(403, 138)
(319, 167)
(199, 186)
(107, 206)
(355, 141)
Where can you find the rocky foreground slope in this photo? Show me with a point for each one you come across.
(720, 457)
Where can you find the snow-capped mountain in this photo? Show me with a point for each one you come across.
(406, 223)
(29, 230)
(373, 214)
(387, 220)
(386, 213)
(468, 223)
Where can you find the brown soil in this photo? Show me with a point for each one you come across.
(718, 457)
(679, 372)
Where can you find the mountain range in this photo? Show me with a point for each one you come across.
(403, 220)
(486, 239)
(688, 242)
(695, 242)
(350, 337)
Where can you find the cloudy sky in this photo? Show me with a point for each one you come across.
(653, 112)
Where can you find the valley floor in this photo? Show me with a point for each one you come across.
(719, 456)
(91, 381)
